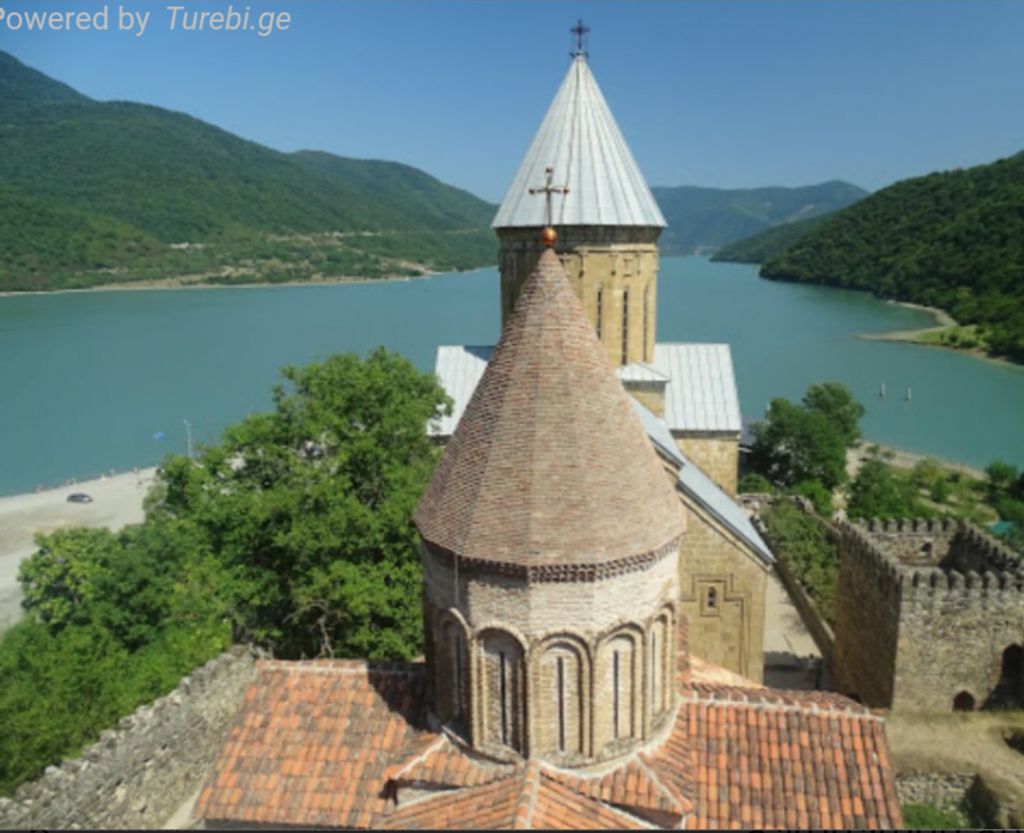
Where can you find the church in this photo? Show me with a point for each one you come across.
(560, 686)
(580, 178)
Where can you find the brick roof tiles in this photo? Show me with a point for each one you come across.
(336, 743)
(550, 463)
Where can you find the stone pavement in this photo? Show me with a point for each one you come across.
(791, 657)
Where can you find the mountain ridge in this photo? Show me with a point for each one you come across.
(701, 218)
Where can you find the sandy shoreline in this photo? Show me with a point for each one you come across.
(117, 502)
(168, 284)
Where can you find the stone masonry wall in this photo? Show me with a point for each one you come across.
(915, 636)
(138, 774)
(603, 261)
(731, 632)
(717, 456)
(867, 620)
(946, 790)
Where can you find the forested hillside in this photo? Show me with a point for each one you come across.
(92, 192)
(954, 240)
(767, 244)
(707, 218)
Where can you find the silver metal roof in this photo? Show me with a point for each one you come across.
(580, 140)
(695, 483)
(700, 394)
(640, 372)
(459, 368)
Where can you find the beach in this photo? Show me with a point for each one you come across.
(117, 502)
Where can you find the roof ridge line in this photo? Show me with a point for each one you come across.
(678, 799)
(522, 816)
(418, 759)
(759, 703)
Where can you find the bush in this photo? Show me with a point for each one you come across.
(755, 484)
(930, 817)
(816, 494)
(801, 542)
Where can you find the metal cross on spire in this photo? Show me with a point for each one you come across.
(580, 33)
(547, 190)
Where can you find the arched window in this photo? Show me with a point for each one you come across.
(625, 325)
(620, 684)
(560, 707)
(647, 292)
(963, 702)
(503, 682)
(453, 680)
(1010, 689)
(661, 668)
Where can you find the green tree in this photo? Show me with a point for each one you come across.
(793, 444)
(877, 493)
(308, 508)
(1001, 475)
(836, 403)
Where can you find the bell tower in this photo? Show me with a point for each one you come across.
(580, 177)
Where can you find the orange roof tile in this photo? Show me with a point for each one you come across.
(335, 743)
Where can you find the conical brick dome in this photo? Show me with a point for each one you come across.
(549, 464)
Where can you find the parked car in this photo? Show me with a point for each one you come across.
(79, 497)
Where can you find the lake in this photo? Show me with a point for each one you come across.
(104, 380)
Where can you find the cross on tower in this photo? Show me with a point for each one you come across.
(547, 190)
(580, 33)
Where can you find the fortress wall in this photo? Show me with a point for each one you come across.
(912, 636)
(925, 541)
(867, 619)
(954, 628)
(138, 774)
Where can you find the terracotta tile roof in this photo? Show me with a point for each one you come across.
(331, 743)
(550, 463)
(767, 758)
(311, 741)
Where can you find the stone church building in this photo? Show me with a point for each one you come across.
(579, 568)
(558, 689)
(579, 174)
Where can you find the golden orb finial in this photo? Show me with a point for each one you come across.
(549, 236)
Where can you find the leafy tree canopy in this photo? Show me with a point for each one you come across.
(877, 493)
(835, 402)
(309, 508)
(796, 443)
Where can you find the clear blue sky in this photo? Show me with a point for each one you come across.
(724, 93)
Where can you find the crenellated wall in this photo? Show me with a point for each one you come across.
(137, 774)
(926, 610)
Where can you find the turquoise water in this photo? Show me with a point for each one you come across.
(90, 381)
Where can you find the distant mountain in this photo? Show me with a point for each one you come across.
(769, 243)
(125, 178)
(954, 240)
(707, 218)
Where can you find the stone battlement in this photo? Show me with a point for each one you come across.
(926, 614)
(137, 774)
(966, 560)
